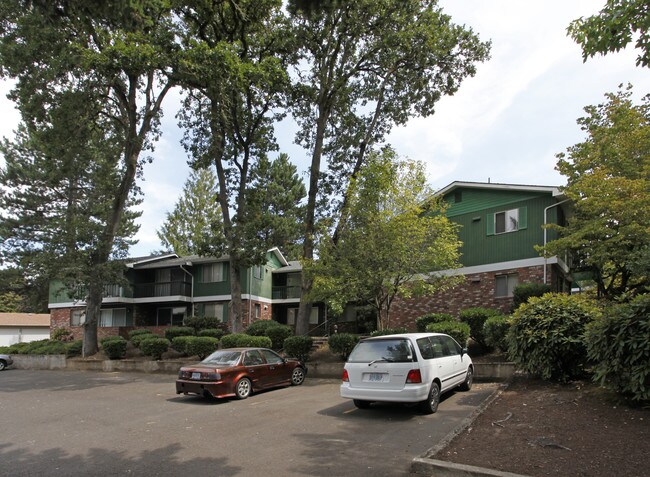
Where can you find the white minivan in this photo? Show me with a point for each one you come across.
(409, 368)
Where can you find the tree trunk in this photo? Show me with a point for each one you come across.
(235, 309)
(93, 311)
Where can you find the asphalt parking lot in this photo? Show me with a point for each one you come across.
(84, 423)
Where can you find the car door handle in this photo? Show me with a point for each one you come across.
(271, 367)
(251, 370)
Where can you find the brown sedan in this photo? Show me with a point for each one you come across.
(238, 372)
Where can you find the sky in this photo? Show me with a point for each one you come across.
(504, 125)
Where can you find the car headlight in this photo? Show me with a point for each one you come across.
(212, 376)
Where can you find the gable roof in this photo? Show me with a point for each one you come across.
(25, 319)
(554, 190)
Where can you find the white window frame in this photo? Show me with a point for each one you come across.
(511, 281)
(510, 221)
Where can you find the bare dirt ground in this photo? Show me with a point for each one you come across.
(538, 428)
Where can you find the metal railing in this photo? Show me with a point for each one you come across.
(286, 292)
(160, 289)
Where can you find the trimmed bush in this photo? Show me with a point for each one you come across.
(137, 339)
(46, 347)
(455, 329)
(618, 343)
(476, 318)
(114, 348)
(212, 332)
(547, 335)
(389, 331)
(138, 332)
(110, 338)
(154, 347)
(298, 347)
(174, 331)
(61, 334)
(261, 327)
(495, 331)
(180, 343)
(342, 344)
(74, 348)
(524, 291)
(205, 322)
(424, 320)
(241, 340)
(201, 346)
(278, 334)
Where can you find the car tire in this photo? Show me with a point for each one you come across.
(243, 388)
(361, 404)
(430, 405)
(469, 379)
(3, 365)
(297, 376)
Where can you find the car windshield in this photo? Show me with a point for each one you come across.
(394, 350)
(223, 357)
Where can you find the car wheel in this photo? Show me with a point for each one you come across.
(297, 376)
(469, 379)
(243, 388)
(3, 365)
(361, 404)
(430, 405)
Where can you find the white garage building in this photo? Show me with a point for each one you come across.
(23, 327)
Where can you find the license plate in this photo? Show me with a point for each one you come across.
(375, 377)
(196, 375)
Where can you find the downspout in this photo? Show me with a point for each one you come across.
(545, 222)
(250, 295)
(191, 287)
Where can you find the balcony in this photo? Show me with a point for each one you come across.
(286, 292)
(162, 289)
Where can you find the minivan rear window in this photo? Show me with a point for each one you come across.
(394, 350)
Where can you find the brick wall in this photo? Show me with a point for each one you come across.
(477, 290)
(249, 306)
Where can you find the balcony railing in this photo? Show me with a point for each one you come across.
(160, 289)
(285, 292)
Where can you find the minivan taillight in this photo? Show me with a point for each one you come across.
(346, 378)
(414, 376)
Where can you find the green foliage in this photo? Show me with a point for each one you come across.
(114, 348)
(10, 302)
(618, 344)
(458, 331)
(298, 347)
(201, 346)
(613, 28)
(36, 347)
(495, 331)
(524, 291)
(241, 340)
(73, 348)
(342, 344)
(109, 339)
(136, 340)
(424, 320)
(608, 179)
(278, 334)
(212, 332)
(174, 331)
(139, 331)
(389, 331)
(475, 318)
(547, 335)
(205, 322)
(154, 347)
(179, 343)
(61, 334)
(260, 327)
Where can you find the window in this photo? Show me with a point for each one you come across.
(114, 317)
(505, 285)
(258, 272)
(258, 311)
(271, 357)
(211, 273)
(77, 317)
(213, 310)
(507, 221)
(170, 316)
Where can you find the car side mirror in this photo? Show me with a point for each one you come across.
(463, 352)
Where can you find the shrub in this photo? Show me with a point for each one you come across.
(205, 322)
(457, 330)
(180, 343)
(154, 347)
(174, 331)
(475, 318)
(138, 332)
(298, 347)
(261, 327)
(278, 334)
(618, 344)
(212, 332)
(201, 346)
(422, 322)
(114, 348)
(389, 331)
(137, 339)
(547, 335)
(342, 344)
(524, 291)
(73, 348)
(495, 331)
(239, 340)
(62, 334)
(46, 347)
(109, 338)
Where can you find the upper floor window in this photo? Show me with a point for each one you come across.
(258, 272)
(507, 221)
(211, 273)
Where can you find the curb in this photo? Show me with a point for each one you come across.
(427, 465)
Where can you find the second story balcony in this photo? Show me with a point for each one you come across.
(162, 289)
(286, 292)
